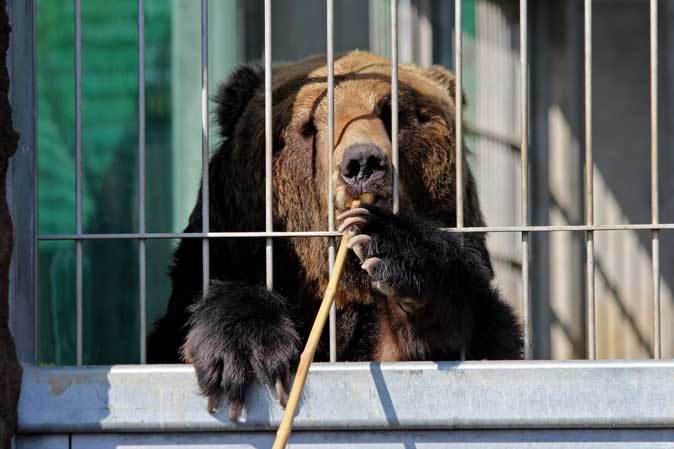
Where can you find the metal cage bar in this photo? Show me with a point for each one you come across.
(142, 262)
(78, 183)
(268, 144)
(524, 175)
(459, 113)
(331, 148)
(655, 210)
(281, 234)
(589, 197)
(394, 107)
(205, 217)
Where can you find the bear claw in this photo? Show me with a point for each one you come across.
(358, 244)
(370, 264)
(212, 403)
(234, 410)
(280, 393)
(351, 221)
(359, 211)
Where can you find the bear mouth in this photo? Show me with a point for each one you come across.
(381, 201)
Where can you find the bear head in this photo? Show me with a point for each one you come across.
(362, 154)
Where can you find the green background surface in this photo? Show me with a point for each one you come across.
(110, 146)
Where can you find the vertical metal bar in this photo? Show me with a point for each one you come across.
(524, 174)
(269, 224)
(331, 146)
(655, 210)
(31, 357)
(205, 218)
(78, 181)
(589, 197)
(459, 114)
(141, 180)
(394, 105)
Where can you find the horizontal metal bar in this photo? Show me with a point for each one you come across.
(186, 235)
(279, 234)
(387, 396)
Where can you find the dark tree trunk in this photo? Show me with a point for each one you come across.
(10, 370)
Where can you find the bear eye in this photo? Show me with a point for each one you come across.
(308, 130)
(423, 116)
(407, 117)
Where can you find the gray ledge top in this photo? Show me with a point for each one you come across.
(387, 396)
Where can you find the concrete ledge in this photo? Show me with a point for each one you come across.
(393, 396)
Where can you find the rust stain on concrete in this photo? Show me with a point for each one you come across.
(59, 384)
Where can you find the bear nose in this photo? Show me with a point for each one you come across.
(361, 164)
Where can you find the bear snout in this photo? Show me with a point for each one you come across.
(363, 168)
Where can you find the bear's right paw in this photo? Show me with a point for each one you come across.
(237, 339)
(377, 236)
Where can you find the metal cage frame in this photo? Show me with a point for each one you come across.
(69, 400)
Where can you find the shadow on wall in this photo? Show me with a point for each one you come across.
(621, 149)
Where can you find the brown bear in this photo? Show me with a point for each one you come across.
(410, 291)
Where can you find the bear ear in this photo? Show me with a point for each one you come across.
(234, 95)
(446, 78)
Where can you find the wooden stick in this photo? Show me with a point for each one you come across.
(286, 426)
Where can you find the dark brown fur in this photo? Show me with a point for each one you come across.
(444, 303)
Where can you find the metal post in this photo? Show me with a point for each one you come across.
(331, 148)
(141, 180)
(589, 198)
(524, 175)
(78, 181)
(269, 225)
(459, 115)
(394, 105)
(205, 217)
(655, 211)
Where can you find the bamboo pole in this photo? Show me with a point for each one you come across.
(286, 426)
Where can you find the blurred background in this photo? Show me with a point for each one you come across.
(491, 82)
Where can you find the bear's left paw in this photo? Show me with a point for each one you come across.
(240, 334)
